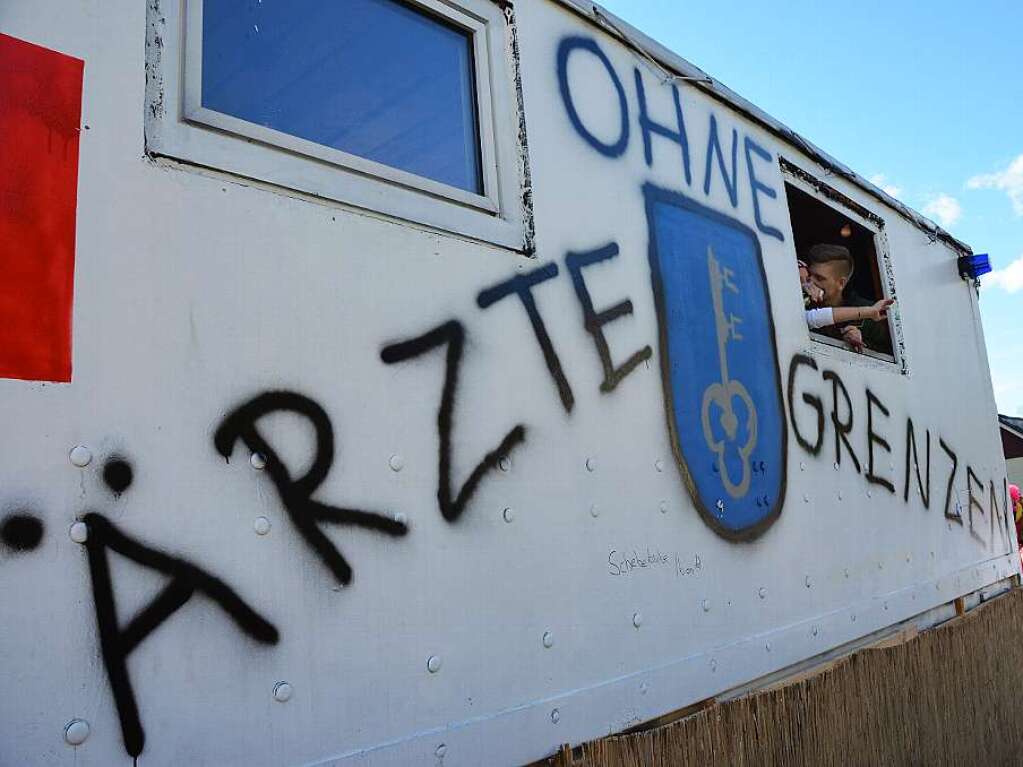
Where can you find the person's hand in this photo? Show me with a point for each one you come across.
(852, 336)
(878, 311)
(815, 292)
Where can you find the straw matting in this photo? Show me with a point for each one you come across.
(950, 696)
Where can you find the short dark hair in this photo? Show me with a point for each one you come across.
(824, 253)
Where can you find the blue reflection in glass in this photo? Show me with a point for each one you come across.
(374, 78)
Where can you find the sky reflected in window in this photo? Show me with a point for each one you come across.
(374, 78)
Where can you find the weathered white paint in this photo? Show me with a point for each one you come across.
(196, 290)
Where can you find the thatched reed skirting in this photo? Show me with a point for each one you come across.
(951, 696)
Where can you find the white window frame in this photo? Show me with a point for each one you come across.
(822, 342)
(179, 127)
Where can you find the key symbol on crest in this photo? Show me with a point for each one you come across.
(726, 391)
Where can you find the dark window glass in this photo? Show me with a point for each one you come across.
(374, 78)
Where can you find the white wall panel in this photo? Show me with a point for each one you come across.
(197, 292)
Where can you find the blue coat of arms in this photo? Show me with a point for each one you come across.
(719, 363)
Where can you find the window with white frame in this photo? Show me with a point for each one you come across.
(405, 107)
(841, 248)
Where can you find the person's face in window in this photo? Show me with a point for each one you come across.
(831, 277)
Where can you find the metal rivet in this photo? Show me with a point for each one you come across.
(814, 631)
(643, 688)
(79, 532)
(637, 619)
(937, 586)
(837, 467)
(932, 555)
(258, 461)
(76, 731)
(555, 716)
(806, 498)
(767, 646)
(548, 639)
(880, 565)
(399, 516)
(659, 465)
(261, 525)
(853, 617)
(802, 466)
(396, 462)
(591, 464)
(908, 558)
(594, 511)
(846, 572)
(885, 605)
(80, 456)
(508, 514)
(663, 507)
(706, 605)
(441, 750)
(504, 463)
(869, 494)
(839, 495)
(713, 664)
(808, 581)
(282, 692)
(762, 593)
(433, 664)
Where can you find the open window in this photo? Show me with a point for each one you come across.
(404, 107)
(821, 215)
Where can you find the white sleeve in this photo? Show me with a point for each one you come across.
(819, 318)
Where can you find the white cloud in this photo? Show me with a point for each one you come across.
(1005, 379)
(945, 208)
(1009, 279)
(1009, 181)
(880, 180)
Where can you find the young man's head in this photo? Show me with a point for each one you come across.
(831, 268)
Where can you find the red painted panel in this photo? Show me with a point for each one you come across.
(40, 114)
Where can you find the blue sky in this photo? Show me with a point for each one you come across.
(926, 101)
